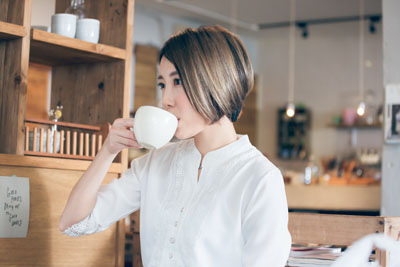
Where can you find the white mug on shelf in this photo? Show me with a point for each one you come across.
(88, 30)
(154, 127)
(64, 24)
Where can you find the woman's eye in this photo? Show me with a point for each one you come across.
(161, 86)
(177, 82)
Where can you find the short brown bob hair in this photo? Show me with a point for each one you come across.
(215, 70)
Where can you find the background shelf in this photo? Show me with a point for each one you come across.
(11, 31)
(53, 49)
(357, 126)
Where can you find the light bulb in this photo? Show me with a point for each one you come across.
(290, 110)
(361, 109)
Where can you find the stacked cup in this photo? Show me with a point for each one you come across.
(64, 24)
(88, 30)
(70, 26)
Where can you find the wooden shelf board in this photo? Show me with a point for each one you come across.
(331, 197)
(357, 126)
(55, 155)
(11, 31)
(65, 124)
(51, 163)
(53, 49)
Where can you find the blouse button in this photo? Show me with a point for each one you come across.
(172, 240)
(176, 224)
(182, 209)
(171, 255)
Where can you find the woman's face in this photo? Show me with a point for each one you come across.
(174, 100)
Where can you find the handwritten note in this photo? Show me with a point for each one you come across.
(14, 206)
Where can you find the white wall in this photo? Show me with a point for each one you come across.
(326, 81)
(42, 11)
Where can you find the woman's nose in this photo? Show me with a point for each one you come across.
(167, 99)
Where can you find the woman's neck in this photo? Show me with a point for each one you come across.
(216, 135)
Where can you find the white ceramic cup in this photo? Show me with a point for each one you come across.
(64, 24)
(88, 30)
(154, 127)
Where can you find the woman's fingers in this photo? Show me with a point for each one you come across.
(124, 133)
(124, 123)
(120, 136)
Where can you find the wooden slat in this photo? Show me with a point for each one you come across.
(74, 142)
(54, 49)
(99, 142)
(11, 31)
(65, 124)
(81, 144)
(341, 230)
(26, 138)
(68, 143)
(87, 144)
(55, 142)
(41, 137)
(62, 142)
(34, 139)
(93, 147)
(48, 138)
(51, 163)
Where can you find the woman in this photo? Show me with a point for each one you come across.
(211, 199)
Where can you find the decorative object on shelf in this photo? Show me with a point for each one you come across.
(88, 30)
(349, 116)
(361, 105)
(290, 108)
(77, 8)
(311, 171)
(64, 24)
(293, 134)
(56, 114)
(371, 108)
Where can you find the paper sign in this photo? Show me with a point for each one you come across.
(14, 206)
(392, 113)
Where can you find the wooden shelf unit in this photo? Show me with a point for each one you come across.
(53, 49)
(92, 83)
(11, 31)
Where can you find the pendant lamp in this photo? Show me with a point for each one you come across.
(290, 108)
(361, 105)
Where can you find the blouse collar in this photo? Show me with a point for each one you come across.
(224, 153)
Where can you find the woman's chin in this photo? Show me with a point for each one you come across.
(181, 136)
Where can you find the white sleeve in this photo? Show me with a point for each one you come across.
(115, 200)
(267, 240)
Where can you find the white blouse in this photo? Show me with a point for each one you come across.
(235, 215)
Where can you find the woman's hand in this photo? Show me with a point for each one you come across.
(120, 136)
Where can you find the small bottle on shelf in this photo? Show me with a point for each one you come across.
(311, 172)
(77, 8)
